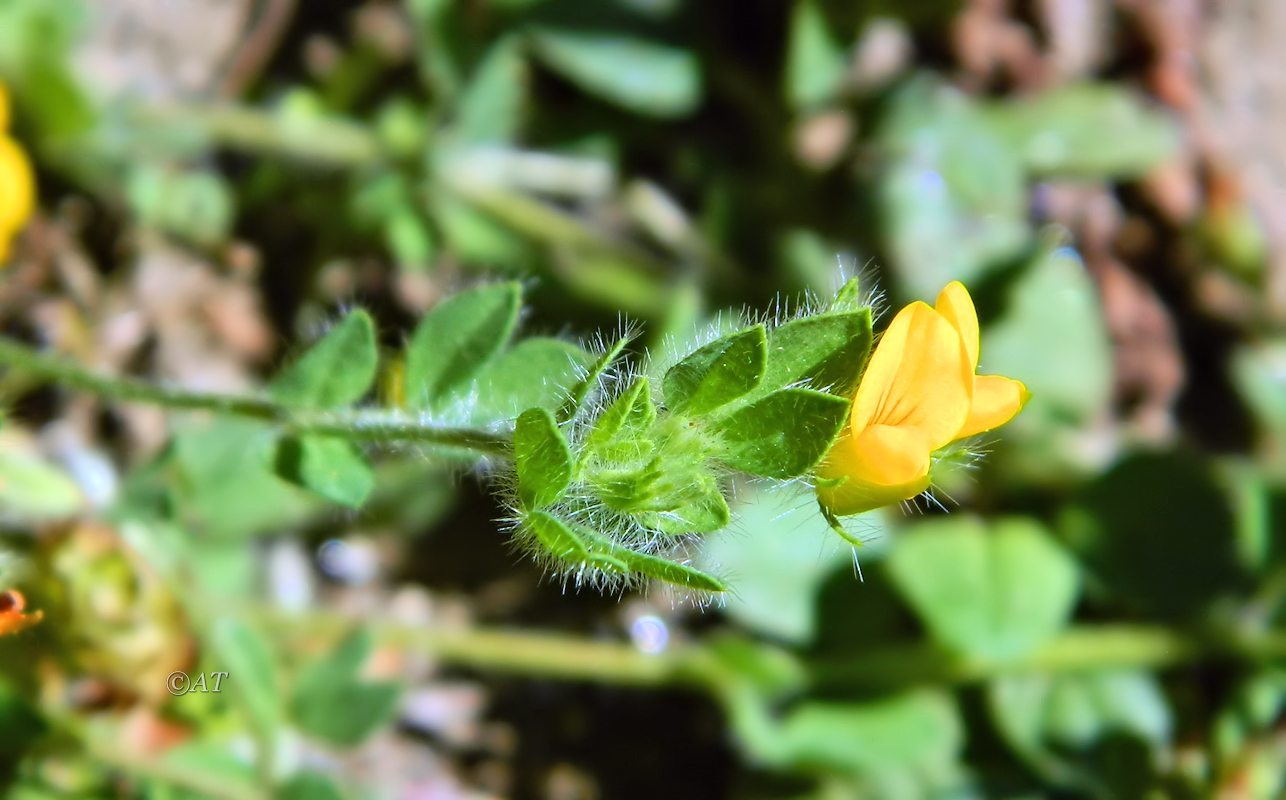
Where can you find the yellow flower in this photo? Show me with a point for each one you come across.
(17, 184)
(12, 618)
(919, 393)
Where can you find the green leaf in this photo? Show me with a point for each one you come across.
(196, 205)
(477, 238)
(784, 434)
(1156, 531)
(252, 672)
(773, 673)
(1045, 718)
(662, 569)
(1086, 130)
(408, 238)
(329, 466)
(212, 759)
(456, 339)
(332, 703)
(536, 372)
(31, 490)
(827, 350)
(814, 59)
(717, 373)
(1052, 337)
(491, 106)
(226, 485)
(309, 786)
(629, 417)
(919, 732)
(36, 58)
(542, 457)
(781, 554)
(953, 196)
(994, 594)
(646, 78)
(1260, 375)
(336, 371)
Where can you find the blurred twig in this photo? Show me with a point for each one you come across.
(257, 46)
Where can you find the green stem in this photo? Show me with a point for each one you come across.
(359, 425)
(564, 657)
(324, 140)
(180, 776)
(102, 743)
(546, 655)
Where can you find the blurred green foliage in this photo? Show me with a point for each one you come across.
(1102, 616)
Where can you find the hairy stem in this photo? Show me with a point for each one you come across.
(358, 425)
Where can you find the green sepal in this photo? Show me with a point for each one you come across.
(581, 390)
(629, 417)
(848, 298)
(782, 435)
(718, 373)
(652, 566)
(336, 371)
(701, 508)
(556, 537)
(575, 544)
(542, 458)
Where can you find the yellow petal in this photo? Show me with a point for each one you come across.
(919, 377)
(879, 467)
(996, 400)
(17, 187)
(956, 305)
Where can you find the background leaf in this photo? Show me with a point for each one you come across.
(952, 196)
(457, 339)
(331, 467)
(815, 61)
(333, 703)
(1086, 130)
(491, 106)
(1149, 505)
(994, 594)
(778, 558)
(33, 490)
(252, 678)
(535, 372)
(642, 76)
